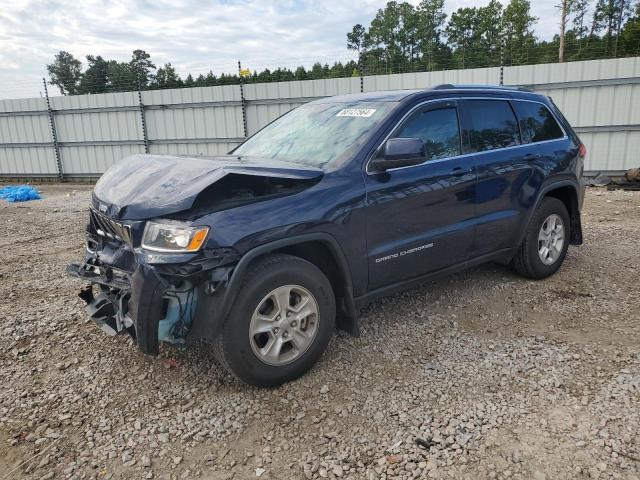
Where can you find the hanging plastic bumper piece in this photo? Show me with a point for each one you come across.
(135, 306)
(145, 307)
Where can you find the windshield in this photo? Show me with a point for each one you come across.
(316, 134)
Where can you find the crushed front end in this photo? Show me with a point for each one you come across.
(153, 294)
(156, 267)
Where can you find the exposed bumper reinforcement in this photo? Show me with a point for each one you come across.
(134, 307)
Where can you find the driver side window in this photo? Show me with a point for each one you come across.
(437, 128)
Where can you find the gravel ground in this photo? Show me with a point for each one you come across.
(495, 376)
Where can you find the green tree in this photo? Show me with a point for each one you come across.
(519, 40)
(167, 77)
(356, 38)
(120, 77)
(463, 36)
(189, 81)
(65, 73)
(393, 34)
(576, 36)
(210, 79)
(565, 9)
(609, 17)
(630, 35)
(141, 67)
(95, 79)
(580, 9)
(490, 32)
(430, 18)
(300, 73)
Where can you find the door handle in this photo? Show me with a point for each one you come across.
(459, 171)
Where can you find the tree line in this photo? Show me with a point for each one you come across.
(401, 38)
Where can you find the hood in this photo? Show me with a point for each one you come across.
(146, 186)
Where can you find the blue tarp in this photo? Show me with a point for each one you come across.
(19, 193)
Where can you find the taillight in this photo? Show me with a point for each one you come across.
(582, 150)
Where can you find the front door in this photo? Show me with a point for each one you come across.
(420, 218)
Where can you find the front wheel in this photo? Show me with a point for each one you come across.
(545, 242)
(280, 324)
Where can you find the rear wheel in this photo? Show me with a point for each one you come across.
(281, 323)
(546, 241)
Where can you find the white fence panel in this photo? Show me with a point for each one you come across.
(26, 146)
(610, 69)
(98, 127)
(611, 151)
(417, 80)
(31, 161)
(93, 160)
(194, 121)
(25, 129)
(206, 149)
(268, 101)
(601, 99)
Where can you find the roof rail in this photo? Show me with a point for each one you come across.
(450, 86)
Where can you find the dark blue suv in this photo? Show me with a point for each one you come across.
(263, 251)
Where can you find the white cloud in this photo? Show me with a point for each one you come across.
(193, 35)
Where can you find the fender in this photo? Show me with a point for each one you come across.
(222, 302)
(543, 192)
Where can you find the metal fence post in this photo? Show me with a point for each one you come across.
(243, 101)
(502, 62)
(54, 134)
(145, 137)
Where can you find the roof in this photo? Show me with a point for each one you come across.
(399, 95)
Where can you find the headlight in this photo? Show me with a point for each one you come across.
(173, 237)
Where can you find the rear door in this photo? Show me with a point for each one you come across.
(502, 172)
(419, 218)
(513, 155)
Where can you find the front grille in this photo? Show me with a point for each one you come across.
(105, 227)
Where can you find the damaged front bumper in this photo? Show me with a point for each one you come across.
(135, 304)
(154, 298)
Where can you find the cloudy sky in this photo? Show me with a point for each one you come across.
(194, 35)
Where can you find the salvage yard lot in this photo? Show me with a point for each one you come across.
(500, 377)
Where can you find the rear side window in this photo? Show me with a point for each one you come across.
(537, 123)
(493, 124)
(438, 129)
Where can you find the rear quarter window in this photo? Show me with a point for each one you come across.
(537, 123)
(493, 124)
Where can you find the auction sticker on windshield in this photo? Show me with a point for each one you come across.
(356, 112)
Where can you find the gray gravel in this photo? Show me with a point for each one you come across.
(479, 375)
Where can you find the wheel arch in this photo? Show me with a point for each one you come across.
(320, 249)
(567, 192)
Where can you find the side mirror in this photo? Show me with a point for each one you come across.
(400, 152)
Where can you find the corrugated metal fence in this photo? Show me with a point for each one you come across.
(81, 136)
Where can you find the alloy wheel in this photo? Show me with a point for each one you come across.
(551, 239)
(284, 325)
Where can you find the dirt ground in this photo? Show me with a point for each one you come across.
(479, 375)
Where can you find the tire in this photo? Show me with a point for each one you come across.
(528, 261)
(241, 353)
